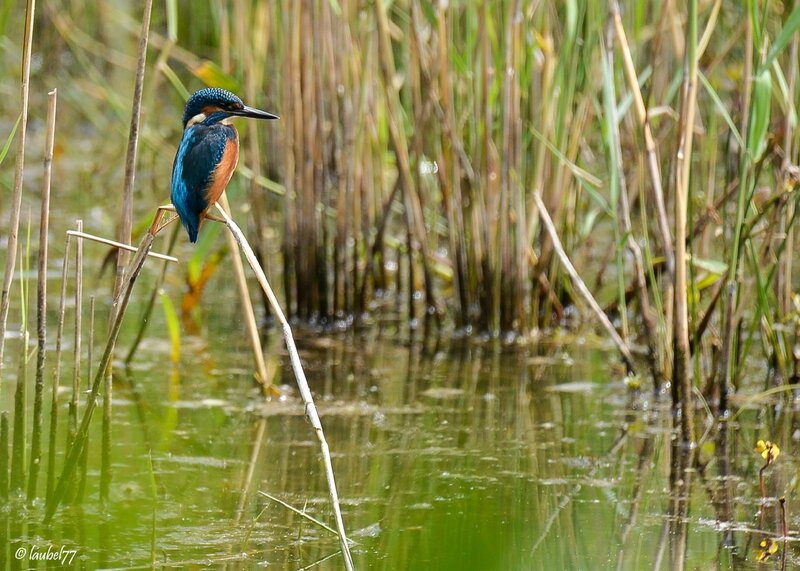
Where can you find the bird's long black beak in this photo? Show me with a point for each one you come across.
(254, 113)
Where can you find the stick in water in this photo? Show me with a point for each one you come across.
(305, 391)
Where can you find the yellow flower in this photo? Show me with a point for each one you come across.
(768, 450)
(633, 381)
(767, 549)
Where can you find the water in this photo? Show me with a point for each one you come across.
(447, 456)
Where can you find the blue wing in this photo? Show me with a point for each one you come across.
(199, 154)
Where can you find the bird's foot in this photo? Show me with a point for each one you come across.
(215, 218)
(160, 211)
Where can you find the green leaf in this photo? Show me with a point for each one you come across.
(172, 20)
(712, 266)
(589, 220)
(10, 138)
(785, 100)
(577, 171)
(759, 115)
(175, 81)
(784, 36)
(720, 107)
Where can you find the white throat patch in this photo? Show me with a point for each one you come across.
(199, 118)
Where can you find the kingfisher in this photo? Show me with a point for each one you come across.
(208, 153)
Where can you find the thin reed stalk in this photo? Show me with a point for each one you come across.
(450, 173)
(248, 314)
(105, 445)
(41, 299)
(120, 245)
(247, 484)
(302, 383)
(19, 444)
(126, 212)
(78, 444)
(783, 281)
(584, 292)
(4, 463)
(681, 369)
(625, 231)
(649, 141)
(151, 301)
(51, 450)
(19, 169)
(74, 401)
(105, 450)
(415, 225)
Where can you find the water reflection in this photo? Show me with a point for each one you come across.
(446, 454)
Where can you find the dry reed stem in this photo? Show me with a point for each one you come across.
(4, 457)
(119, 245)
(627, 357)
(105, 446)
(16, 197)
(300, 376)
(126, 213)
(681, 370)
(411, 200)
(450, 173)
(248, 313)
(76, 345)
(640, 281)
(257, 443)
(51, 451)
(649, 141)
(18, 445)
(41, 298)
(151, 302)
(784, 286)
(301, 513)
(118, 312)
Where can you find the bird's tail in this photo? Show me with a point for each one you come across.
(192, 226)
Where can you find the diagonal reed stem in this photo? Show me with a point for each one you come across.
(581, 286)
(118, 312)
(126, 213)
(302, 383)
(248, 313)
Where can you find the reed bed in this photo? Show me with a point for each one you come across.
(422, 147)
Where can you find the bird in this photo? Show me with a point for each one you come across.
(207, 154)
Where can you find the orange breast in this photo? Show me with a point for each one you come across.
(223, 173)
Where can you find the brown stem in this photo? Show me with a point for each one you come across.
(16, 197)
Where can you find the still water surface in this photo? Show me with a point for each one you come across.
(447, 456)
